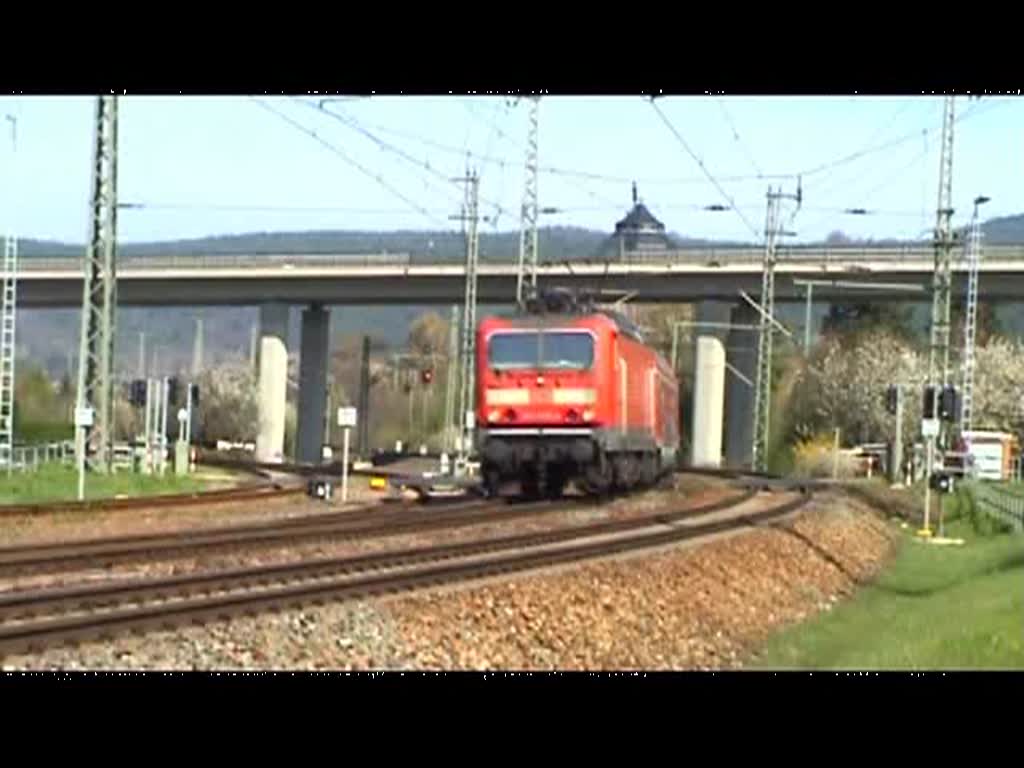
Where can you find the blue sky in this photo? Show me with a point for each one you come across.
(208, 154)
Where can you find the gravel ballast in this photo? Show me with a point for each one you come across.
(697, 607)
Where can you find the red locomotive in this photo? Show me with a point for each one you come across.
(567, 392)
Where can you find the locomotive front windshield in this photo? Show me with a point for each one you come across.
(558, 350)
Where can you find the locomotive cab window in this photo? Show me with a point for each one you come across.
(560, 350)
(567, 351)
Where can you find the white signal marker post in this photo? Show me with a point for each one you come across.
(84, 418)
(347, 418)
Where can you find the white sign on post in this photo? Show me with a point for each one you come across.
(83, 417)
(344, 468)
(347, 417)
(930, 427)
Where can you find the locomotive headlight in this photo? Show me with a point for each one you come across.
(588, 414)
(574, 396)
(493, 415)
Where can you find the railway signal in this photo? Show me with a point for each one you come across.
(892, 399)
(137, 393)
(427, 375)
(928, 405)
(173, 385)
(948, 400)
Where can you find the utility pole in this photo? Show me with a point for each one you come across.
(807, 321)
(763, 385)
(148, 459)
(197, 349)
(469, 215)
(364, 400)
(253, 346)
(8, 315)
(971, 321)
(938, 353)
(142, 354)
(528, 219)
(453, 368)
(94, 412)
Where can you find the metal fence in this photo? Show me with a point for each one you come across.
(28, 458)
(1000, 503)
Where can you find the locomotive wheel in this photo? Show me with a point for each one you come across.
(648, 470)
(555, 485)
(619, 479)
(492, 482)
(597, 477)
(529, 483)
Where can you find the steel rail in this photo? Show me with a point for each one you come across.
(88, 595)
(55, 557)
(31, 636)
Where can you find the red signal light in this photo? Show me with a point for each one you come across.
(427, 375)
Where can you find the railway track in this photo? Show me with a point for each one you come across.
(51, 558)
(371, 521)
(269, 587)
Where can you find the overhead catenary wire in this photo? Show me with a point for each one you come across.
(241, 207)
(355, 125)
(973, 111)
(852, 209)
(487, 158)
(386, 146)
(711, 178)
(736, 136)
(354, 163)
(823, 190)
(881, 129)
(898, 141)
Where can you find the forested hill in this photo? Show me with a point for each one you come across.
(556, 243)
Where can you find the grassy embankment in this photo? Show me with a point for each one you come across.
(58, 483)
(932, 607)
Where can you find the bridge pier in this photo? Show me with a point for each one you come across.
(709, 377)
(312, 385)
(272, 386)
(741, 353)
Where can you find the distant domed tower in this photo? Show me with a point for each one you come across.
(638, 231)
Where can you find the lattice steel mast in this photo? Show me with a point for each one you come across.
(528, 220)
(99, 297)
(763, 385)
(938, 357)
(470, 215)
(971, 320)
(450, 380)
(8, 316)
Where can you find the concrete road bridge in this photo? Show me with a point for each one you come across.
(711, 277)
(693, 274)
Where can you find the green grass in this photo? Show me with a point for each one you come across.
(933, 607)
(57, 483)
(33, 433)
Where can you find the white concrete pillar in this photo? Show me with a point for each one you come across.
(273, 382)
(708, 403)
(312, 385)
